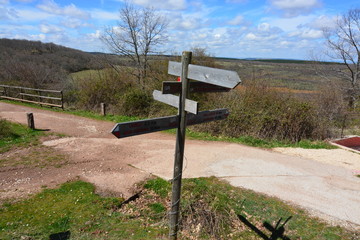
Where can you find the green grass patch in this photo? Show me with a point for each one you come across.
(13, 134)
(73, 208)
(159, 186)
(211, 209)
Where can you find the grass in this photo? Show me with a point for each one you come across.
(211, 209)
(13, 134)
(29, 151)
(73, 208)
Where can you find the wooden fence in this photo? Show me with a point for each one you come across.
(53, 98)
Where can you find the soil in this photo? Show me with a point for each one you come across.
(320, 181)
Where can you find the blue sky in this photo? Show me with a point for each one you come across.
(230, 28)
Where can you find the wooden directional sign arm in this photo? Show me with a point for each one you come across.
(220, 77)
(172, 100)
(128, 129)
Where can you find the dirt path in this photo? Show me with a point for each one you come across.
(323, 184)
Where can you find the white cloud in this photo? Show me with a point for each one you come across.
(74, 23)
(293, 8)
(7, 13)
(264, 27)
(307, 33)
(239, 19)
(104, 15)
(33, 15)
(251, 36)
(322, 22)
(185, 21)
(162, 4)
(289, 24)
(47, 28)
(70, 10)
(95, 35)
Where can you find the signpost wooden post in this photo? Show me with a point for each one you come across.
(211, 80)
(179, 149)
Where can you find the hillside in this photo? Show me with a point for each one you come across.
(37, 64)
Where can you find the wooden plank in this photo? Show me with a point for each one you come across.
(32, 89)
(195, 87)
(128, 129)
(33, 95)
(190, 105)
(219, 77)
(23, 100)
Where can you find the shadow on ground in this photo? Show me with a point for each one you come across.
(277, 232)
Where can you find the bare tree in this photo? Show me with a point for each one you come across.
(137, 34)
(343, 42)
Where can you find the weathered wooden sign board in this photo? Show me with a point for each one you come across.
(219, 77)
(190, 105)
(211, 80)
(128, 129)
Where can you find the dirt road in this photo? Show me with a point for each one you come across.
(323, 184)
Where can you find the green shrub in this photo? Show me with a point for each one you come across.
(135, 102)
(261, 112)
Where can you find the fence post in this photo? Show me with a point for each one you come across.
(21, 93)
(30, 120)
(103, 109)
(39, 98)
(62, 100)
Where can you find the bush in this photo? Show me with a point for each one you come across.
(90, 88)
(261, 112)
(135, 102)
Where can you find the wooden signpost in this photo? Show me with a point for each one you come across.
(211, 80)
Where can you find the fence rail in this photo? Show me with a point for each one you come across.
(53, 98)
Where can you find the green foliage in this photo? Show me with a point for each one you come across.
(90, 88)
(263, 113)
(136, 103)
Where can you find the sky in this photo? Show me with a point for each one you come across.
(289, 29)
